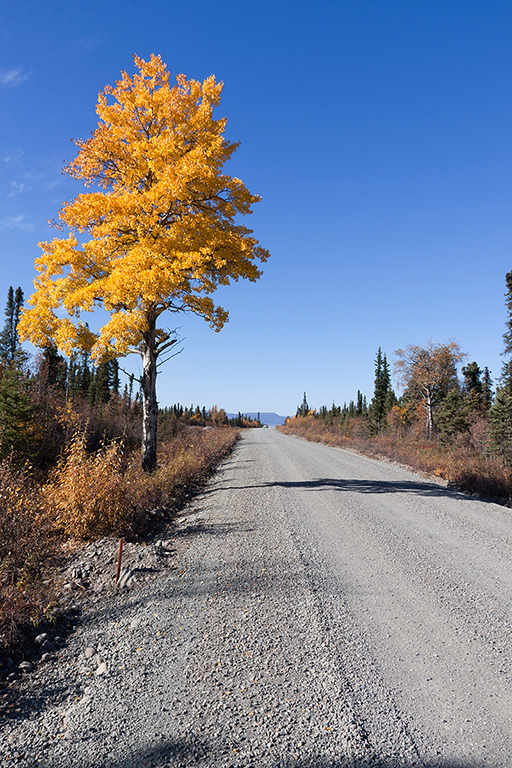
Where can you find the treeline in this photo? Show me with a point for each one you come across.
(448, 420)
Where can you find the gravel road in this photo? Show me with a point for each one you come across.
(322, 610)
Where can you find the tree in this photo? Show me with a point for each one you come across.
(18, 425)
(506, 374)
(9, 339)
(160, 226)
(303, 408)
(429, 373)
(383, 397)
(473, 389)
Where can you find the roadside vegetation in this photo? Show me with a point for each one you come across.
(70, 467)
(448, 421)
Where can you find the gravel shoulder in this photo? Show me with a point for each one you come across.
(274, 628)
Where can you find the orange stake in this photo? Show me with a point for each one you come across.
(119, 560)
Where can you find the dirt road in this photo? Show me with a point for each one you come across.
(330, 611)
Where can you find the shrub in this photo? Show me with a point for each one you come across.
(27, 545)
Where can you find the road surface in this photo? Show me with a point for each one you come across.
(329, 610)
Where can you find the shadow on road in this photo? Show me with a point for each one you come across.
(189, 753)
(360, 486)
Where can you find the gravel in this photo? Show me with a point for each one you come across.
(233, 642)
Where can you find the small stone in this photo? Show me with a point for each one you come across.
(26, 666)
(46, 657)
(126, 579)
(48, 646)
(89, 652)
(40, 639)
(101, 669)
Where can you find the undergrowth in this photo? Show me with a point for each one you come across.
(86, 496)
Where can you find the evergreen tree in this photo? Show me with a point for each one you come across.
(451, 417)
(9, 340)
(487, 396)
(384, 397)
(303, 409)
(506, 375)
(56, 367)
(18, 425)
(500, 442)
(473, 388)
(500, 412)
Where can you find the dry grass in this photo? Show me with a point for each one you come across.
(27, 545)
(90, 495)
(461, 465)
(86, 496)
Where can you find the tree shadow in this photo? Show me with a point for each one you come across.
(195, 751)
(363, 486)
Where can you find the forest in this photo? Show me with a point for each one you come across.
(448, 422)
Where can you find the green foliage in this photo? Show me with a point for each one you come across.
(9, 341)
(451, 418)
(500, 439)
(18, 424)
(384, 397)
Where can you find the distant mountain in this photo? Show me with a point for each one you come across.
(272, 419)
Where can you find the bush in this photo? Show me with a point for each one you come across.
(27, 544)
(90, 495)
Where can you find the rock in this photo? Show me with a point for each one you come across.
(46, 657)
(40, 639)
(48, 646)
(89, 652)
(101, 669)
(126, 579)
(26, 666)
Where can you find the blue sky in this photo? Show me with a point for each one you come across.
(377, 133)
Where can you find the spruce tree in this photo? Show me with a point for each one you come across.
(500, 412)
(18, 425)
(9, 340)
(487, 395)
(303, 409)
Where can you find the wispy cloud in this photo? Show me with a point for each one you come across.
(16, 222)
(17, 189)
(12, 156)
(12, 78)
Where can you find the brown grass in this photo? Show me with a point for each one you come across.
(462, 465)
(27, 545)
(86, 496)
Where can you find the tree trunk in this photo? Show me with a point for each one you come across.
(149, 403)
(428, 408)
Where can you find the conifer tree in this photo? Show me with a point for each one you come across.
(9, 340)
(303, 409)
(383, 398)
(506, 375)
(501, 411)
(487, 389)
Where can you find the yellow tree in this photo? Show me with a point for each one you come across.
(156, 234)
(428, 372)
